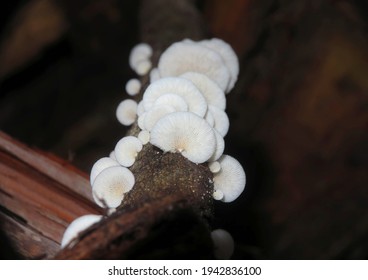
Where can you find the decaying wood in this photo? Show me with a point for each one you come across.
(167, 228)
(36, 205)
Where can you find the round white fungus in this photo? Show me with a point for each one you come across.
(133, 86)
(187, 133)
(77, 226)
(111, 184)
(100, 165)
(175, 85)
(126, 112)
(155, 114)
(214, 166)
(213, 94)
(144, 136)
(139, 52)
(127, 149)
(229, 57)
(174, 100)
(231, 179)
(184, 57)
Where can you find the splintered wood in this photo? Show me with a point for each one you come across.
(39, 196)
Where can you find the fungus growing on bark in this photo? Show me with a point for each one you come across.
(127, 149)
(77, 226)
(100, 165)
(111, 184)
(222, 123)
(229, 57)
(133, 86)
(231, 179)
(214, 166)
(180, 86)
(126, 113)
(213, 94)
(186, 133)
(182, 57)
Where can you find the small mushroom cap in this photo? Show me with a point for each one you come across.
(100, 165)
(77, 226)
(155, 114)
(143, 67)
(139, 52)
(218, 195)
(133, 86)
(141, 120)
(222, 122)
(174, 100)
(183, 57)
(187, 133)
(229, 57)
(231, 179)
(144, 136)
(127, 149)
(126, 112)
(140, 109)
(175, 85)
(213, 94)
(224, 244)
(111, 184)
(214, 167)
(112, 155)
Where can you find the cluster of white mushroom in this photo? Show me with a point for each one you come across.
(182, 111)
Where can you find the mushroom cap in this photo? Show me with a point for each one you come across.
(174, 100)
(214, 166)
(139, 52)
(209, 118)
(220, 147)
(187, 133)
(183, 57)
(111, 184)
(175, 85)
(229, 57)
(144, 136)
(77, 226)
(143, 67)
(141, 120)
(155, 114)
(222, 122)
(224, 244)
(126, 112)
(230, 179)
(213, 94)
(127, 149)
(218, 195)
(133, 86)
(140, 109)
(100, 165)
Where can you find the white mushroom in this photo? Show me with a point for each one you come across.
(126, 112)
(155, 114)
(221, 120)
(229, 57)
(144, 136)
(111, 184)
(127, 149)
(187, 133)
(214, 166)
(180, 86)
(218, 195)
(184, 57)
(141, 120)
(77, 226)
(133, 86)
(140, 109)
(213, 94)
(220, 146)
(174, 100)
(139, 53)
(224, 244)
(100, 165)
(231, 179)
(143, 67)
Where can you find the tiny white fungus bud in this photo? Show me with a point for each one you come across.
(126, 112)
(133, 86)
(127, 149)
